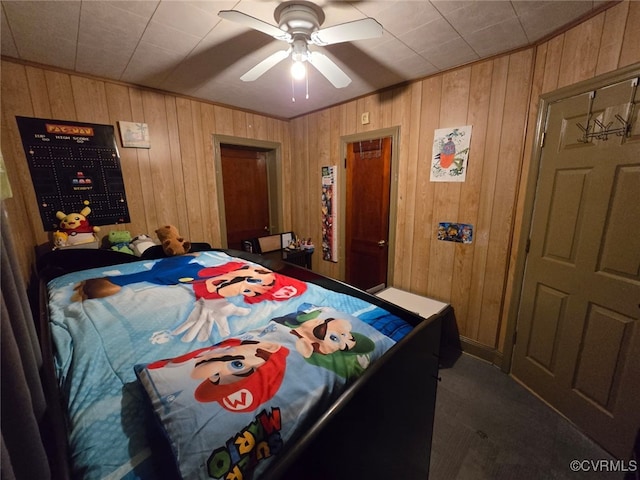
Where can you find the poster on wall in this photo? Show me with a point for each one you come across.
(72, 163)
(329, 210)
(450, 154)
(455, 232)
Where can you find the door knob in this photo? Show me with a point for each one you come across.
(266, 228)
(382, 243)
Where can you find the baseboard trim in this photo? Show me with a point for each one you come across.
(452, 340)
(481, 351)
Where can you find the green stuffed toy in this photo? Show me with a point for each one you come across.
(120, 240)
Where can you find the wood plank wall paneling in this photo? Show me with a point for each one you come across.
(174, 181)
(400, 115)
(423, 217)
(465, 258)
(629, 52)
(610, 47)
(499, 97)
(508, 172)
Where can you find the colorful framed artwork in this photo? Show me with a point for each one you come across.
(134, 134)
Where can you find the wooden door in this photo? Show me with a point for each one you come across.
(246, 193)
(578, 330)
(367, 212)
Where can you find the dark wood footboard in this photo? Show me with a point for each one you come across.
(382, 426)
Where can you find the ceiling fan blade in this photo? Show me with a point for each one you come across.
(347, 32)
(329, 69)
(261, 68)
(255, 23)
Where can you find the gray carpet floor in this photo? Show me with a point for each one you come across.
(488, 426)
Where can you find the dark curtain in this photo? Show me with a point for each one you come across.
(23, 401)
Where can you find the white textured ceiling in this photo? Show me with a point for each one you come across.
(186, 48)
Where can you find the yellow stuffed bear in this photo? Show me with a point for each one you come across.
(171, 241)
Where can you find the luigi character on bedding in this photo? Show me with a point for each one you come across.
(249, 397)
(106, 320)
(328, 341)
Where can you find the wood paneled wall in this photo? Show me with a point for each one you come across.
(488, 95)
(499, 97)
(174, 181)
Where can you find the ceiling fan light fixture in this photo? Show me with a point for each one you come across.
(299, 23)
(298, 70)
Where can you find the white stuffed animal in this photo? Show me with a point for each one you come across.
(141, 243)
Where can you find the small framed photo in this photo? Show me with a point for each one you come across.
(134, 134)
(286, 239)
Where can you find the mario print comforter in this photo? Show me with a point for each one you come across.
(231, 358)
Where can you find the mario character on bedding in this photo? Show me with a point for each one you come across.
(238, 374)
(250, 397)
(211, 285)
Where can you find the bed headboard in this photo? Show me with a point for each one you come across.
(54, 263)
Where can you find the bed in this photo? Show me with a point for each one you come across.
(224, 364)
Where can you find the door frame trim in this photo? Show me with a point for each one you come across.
(394, 133)
(274, 180)
(545, 100)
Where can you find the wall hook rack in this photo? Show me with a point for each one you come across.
(604, 130)
(589, 131)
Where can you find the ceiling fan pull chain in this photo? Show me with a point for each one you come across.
(293, 91)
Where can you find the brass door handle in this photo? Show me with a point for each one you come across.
(382, 243)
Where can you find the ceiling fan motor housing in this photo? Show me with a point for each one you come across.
(299, 18)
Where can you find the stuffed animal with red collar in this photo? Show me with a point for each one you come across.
(77, 226)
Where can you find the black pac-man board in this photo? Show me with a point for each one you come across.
(72, 163)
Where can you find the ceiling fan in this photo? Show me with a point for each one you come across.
(299, 25)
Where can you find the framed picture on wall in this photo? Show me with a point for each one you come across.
(450, 154)
(286, 239)
(134, 134)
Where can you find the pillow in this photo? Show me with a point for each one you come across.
(231, 408)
